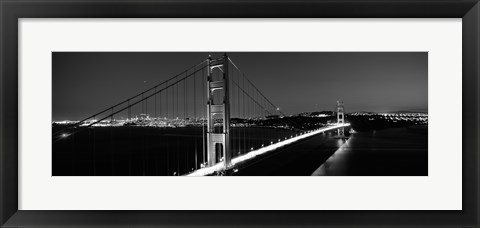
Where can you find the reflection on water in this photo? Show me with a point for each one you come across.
(391, 152)
(334, 163)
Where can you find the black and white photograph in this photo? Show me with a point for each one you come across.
(240, 114)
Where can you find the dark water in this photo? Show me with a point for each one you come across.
(146, 151)
(388, 152)
(142, 151)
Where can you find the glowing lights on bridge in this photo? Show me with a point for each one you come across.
(237, 160)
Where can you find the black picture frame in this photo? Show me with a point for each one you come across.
(12, 10)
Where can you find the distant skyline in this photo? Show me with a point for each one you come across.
(87, 82)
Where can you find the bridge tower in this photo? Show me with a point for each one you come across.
(218, 143)
(340, 118)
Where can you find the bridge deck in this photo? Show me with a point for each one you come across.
(241, 160)
(298, 159)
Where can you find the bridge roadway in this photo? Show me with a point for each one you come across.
(298, 159)
(315, 138)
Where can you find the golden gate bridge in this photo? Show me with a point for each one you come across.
(216, 115)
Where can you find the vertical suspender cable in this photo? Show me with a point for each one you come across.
(156, 103)
(167, 103)
(244, 116)
(238, 110)
(94, 148)
(195, 116)
(111, 144)
(155, 124)
(249, 110)
(204, 102)
(129, 112)
(144, 133)
(176, 121)
(232, 110)
(185, 110)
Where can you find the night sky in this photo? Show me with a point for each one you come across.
(87, 82)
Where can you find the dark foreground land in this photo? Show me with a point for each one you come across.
(387, 152)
